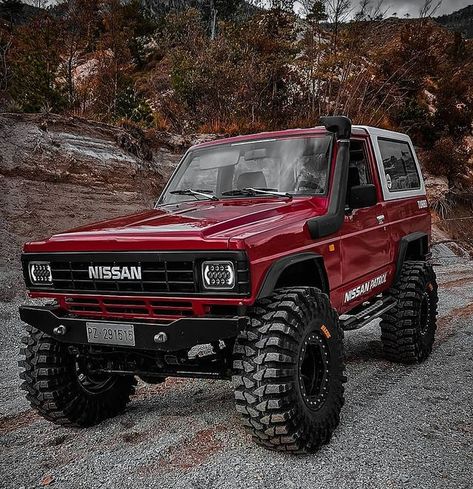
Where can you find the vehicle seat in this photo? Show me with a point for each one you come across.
(255, 179)
(353, 176)
(353, 179)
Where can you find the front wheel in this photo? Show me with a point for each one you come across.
(61, 389)
(289, 371)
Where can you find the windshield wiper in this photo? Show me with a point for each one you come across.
(195, 193)
(254, 191)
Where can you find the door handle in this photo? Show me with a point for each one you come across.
(380, 219)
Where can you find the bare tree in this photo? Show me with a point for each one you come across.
(371, 11)
(429, 8)
(5, 71)
(338, 12)
(305, 6)
(213, 19)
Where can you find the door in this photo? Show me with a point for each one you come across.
(365, 247)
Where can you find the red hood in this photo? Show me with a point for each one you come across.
(190, 225)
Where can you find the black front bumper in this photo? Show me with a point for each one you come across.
(181, 334)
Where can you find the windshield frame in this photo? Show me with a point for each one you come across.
(224, 142)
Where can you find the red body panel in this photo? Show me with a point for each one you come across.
(267, 228)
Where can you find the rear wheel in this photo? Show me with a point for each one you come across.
(289, 371)
(408, 329)
(61, 389)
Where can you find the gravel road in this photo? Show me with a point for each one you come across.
(402, 426)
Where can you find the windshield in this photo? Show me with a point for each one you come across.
(296, 166)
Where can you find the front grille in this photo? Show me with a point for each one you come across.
(162, 273)
(176, 277)
(128, 308)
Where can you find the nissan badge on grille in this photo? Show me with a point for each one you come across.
(114, 273)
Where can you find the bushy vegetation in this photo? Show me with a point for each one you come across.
(231, 67)
(461, 21)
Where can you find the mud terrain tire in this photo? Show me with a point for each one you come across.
(60, 392)
(408, 330)
(289, 370)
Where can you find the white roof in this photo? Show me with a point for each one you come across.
(384, 133)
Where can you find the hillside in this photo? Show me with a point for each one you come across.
(460, 21)
(164, 66)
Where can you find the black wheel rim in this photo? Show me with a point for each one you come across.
(93, 383)
(424, 313)
(313, 370)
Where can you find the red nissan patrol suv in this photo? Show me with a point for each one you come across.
(260, 252)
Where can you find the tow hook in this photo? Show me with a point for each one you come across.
(60, 330)
(161, 337)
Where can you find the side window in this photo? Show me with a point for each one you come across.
(358, 171)
(399, 165)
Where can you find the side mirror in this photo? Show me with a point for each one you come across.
(362, 196)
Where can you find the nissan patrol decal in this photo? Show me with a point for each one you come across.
(365, 287)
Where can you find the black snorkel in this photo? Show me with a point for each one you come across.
(332, 221)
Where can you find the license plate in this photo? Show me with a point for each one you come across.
(110, 333)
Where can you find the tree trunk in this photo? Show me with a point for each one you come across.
(213, 20)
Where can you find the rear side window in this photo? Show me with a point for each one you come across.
(399, 165)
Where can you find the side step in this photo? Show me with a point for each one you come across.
(368, 313)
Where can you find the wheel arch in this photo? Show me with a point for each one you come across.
(300, 269)
(414, 246)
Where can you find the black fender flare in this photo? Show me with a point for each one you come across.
(278, 267)
(404, 243)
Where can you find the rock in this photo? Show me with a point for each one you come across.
(436, 187)
(55, 148)
(47, 480)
